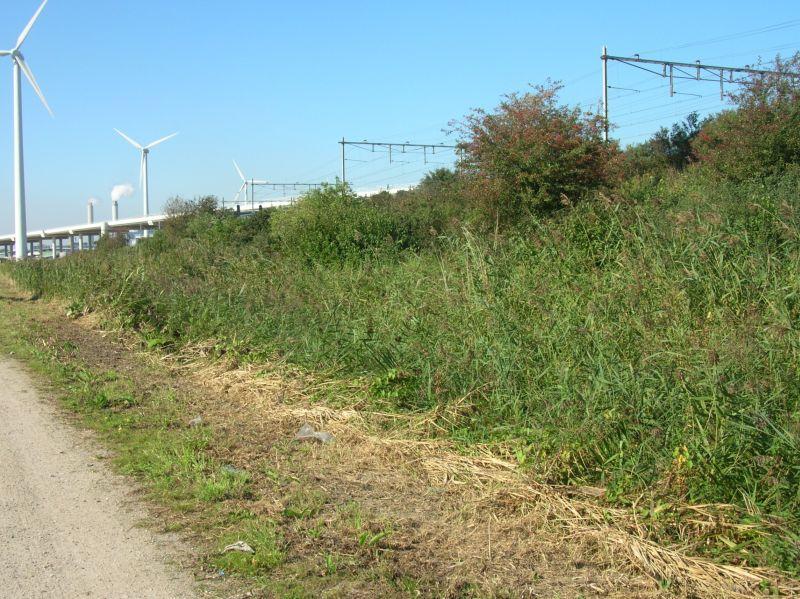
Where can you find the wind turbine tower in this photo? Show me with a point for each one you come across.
(19, 65)
(143, 171)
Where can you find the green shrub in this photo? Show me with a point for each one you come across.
(332, 224)
(437, 205)
(532, 155)
(761, 136)
(668, 149)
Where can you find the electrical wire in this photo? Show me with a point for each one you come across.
(757, 52)
(395, 177)
(389, 173)
(665, 116)
(673, 103)
(307, 174)
(731, 36)
(579, 78)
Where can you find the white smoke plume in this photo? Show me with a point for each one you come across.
(123, 190)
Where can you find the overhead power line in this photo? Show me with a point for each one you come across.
(392, 149)
(294, 186)
(758, 51)
(676, 70)
(731, 36)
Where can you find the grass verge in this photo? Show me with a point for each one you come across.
(348, 516)
(184, 468)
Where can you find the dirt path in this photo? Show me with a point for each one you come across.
(66, 525)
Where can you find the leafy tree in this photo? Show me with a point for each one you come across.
(440, 179)
(532, 154)
(177, 206)
(668, 148)
(761, 136)
(676, 144)
(182, 213)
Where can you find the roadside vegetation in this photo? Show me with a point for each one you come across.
(189, 473)
(147, 430)
(622, 318)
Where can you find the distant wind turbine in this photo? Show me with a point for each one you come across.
(18, 62)
(145, 150)
(245, 184)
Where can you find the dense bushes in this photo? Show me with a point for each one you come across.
(201, 222)
(437, 205)
(667, 149)
(532, 154)
(327, 225)
(761, 136)
(333, 224)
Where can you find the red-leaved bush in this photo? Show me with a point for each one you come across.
(761, 136)
(532, 154)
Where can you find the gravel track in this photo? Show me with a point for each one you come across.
(68, 526)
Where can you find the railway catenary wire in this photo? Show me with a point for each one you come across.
(730, 37)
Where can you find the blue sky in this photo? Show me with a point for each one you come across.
(275, 85)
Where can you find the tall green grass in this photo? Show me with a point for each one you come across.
(648, 343)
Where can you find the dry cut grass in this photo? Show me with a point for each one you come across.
(484, 483)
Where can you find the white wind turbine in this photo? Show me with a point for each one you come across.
(18, 63)
(145, 150)
(245, 184)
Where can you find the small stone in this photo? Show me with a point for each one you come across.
(195, 422)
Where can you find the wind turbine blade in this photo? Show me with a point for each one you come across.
(28, 27)
(238, 170)
(135, 144)
(29, 74)
(5, 52)
(141, 174)
(238, 193)
(162, 140)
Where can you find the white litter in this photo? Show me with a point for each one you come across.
(239, 546)
(307, 433)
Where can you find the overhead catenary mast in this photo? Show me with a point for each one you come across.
(396, 147)
(604, 58)
(675, 70)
